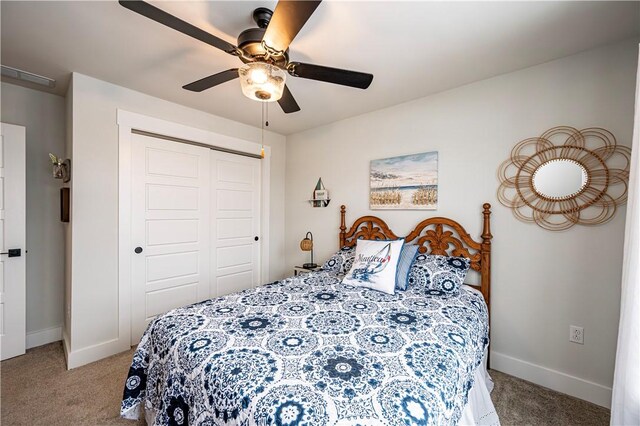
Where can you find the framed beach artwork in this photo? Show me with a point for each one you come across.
(408, 182)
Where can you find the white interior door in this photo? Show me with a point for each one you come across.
(235, 230)
(12, 241)
(170, 228)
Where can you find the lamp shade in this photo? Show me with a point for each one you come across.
(306, 244)
(261, 81)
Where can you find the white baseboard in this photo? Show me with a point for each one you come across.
(552, 379)
(42, 337)
(97, 352)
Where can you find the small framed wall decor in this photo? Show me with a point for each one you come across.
(65, 201)
(321, 194)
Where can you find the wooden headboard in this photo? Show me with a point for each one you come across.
(436, 235)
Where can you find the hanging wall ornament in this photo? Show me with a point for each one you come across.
(565, 177)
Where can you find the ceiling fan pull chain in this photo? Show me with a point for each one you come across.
(262, 107)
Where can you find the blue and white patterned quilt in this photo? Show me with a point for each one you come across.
(309, 350)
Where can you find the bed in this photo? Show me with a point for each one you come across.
(309, 350)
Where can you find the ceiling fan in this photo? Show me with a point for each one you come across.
(263, 50)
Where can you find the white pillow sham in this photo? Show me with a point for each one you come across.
(375, 265)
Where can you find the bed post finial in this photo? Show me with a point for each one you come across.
(343, 226)
(486, 229)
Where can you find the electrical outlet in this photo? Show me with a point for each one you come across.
(576, 334)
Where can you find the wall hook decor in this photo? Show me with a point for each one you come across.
(61, 168)
(565, 177)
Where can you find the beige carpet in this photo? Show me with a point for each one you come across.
(36, 389)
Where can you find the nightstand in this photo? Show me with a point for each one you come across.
(297, 270)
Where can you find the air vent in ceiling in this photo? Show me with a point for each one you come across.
(28, 76)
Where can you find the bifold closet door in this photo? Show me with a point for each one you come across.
(170, 227)
(235, 223)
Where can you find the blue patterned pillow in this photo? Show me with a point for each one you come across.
(341, 261)
(407, 256)
(442, 273)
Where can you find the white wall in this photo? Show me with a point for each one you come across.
(542, 281)
(43, 115)
(94, 245)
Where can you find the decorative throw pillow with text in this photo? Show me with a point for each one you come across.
(375, 265)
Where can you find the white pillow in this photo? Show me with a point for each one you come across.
(375, 264)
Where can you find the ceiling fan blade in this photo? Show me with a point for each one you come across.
(212, 80)
(287, 102)
(287, 20)
(356, 79)
(159, 15)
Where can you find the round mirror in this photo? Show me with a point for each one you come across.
(559, 179)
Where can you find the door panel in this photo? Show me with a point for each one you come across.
(235, 282)
(172, 266)
(235, 208)
(171, 163)
(1, 192)
(170, 223)
(234, 172)
(167, 231)
(161, 301)
(241, 255)
(172, 197)
(12, 236)
(239, 201)
(234, 228)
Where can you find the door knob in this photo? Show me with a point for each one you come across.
(138, 250)
(256, 238)
(13, 252)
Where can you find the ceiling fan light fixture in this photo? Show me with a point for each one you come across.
(258, 76)
(261, 81)
(264, 50)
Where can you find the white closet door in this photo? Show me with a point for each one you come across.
(12, 241)
(170, 227)
(235, 225)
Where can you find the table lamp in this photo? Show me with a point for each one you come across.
(307, 245)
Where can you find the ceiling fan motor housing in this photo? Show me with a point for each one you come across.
(250, 40)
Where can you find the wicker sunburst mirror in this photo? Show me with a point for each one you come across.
(565, 177)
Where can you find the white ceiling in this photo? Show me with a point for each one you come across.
(412, 48)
